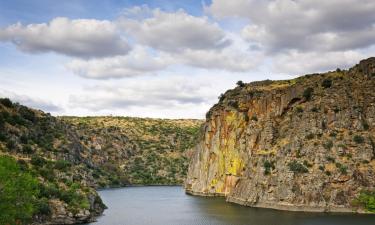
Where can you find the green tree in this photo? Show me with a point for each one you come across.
(18, 191)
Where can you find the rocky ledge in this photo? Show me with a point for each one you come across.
(306, 144)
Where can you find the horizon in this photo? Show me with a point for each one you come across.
(135, 58)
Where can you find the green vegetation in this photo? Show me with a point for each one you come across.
(307, 93)
(240, 83)
(328, 144)
(297, 167)
(367, 200)
(268, 166)
(18, 193)
(327, 83)
(358, 139)
(155, 150)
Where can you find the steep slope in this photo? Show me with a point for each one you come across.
(49, 153)
(136, 150)
(305, 144)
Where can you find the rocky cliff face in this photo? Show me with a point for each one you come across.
(304, 144)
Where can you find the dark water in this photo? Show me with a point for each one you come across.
(171, 206)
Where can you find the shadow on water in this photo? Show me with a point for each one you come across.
(170, 206)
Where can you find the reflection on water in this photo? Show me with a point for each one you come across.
(170, 206)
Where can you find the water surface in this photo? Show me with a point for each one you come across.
(171, 206)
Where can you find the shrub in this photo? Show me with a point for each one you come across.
(254, 118)
(327, 83)
(321, 168)
(221, 97)
(330, 159)
(240, 83)
(299, 109)
(365, 125)
(358, 139)
(62, 165)
(310, 136)
(27, 114)
(11, 144)
(297, 167)
(268, 166)
(37, 161)
(307, 93)
(6, 102)
(328, 145)
(367, 200)
(27, 149)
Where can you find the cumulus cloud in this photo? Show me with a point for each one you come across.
(173, 32)
(336, 25)
(159, 93)
(299, 63)
(138, 62)
(84, 38)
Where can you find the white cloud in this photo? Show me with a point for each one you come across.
(32, 102)
(138, 62)
(309, 25)
(151, 96)
(80, 38)
(303, 63)
(174, 32)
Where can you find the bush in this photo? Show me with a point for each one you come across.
(240, 83)
(328, 145)
(27, 114)
(37, 161)
(254, 118)
(6, 102)
(62, 165)
(11, 145)
(367, 200)
(297, 167)
(27, 149)
(307, 93)
(268, 166)
(358, 139)
(327, 83)
(299, 109)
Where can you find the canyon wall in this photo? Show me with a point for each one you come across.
(305, 144)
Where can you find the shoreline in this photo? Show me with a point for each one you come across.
(282, 207)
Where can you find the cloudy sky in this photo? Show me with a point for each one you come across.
(169, 59)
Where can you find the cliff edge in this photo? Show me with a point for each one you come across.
(306, 144)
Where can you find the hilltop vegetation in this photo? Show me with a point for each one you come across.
(137, 150)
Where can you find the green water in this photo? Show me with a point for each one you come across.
(171, 206)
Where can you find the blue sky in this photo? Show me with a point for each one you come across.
(169, 59)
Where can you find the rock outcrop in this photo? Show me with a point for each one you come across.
(305, 144)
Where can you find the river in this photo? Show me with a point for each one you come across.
(163, 205)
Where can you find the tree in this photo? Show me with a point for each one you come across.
(240, 83)
(18, 191)
(307, 93)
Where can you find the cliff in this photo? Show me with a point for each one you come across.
(305, 144)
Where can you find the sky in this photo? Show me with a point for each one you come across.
(169, 59)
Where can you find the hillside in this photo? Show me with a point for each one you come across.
(306, 144)
(137, 151)
(64, 159)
